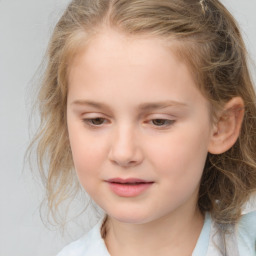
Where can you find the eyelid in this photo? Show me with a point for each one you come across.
(93, 115)
(161, 116)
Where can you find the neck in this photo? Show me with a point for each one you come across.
(175, 234)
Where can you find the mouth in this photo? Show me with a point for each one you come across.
(131, 187)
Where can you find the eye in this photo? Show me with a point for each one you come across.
(162, 122)
(98, 121)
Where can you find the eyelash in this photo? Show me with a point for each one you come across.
(89, 121)
(167, 122)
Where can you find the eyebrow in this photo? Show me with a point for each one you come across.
(160, 105)
(143, 106)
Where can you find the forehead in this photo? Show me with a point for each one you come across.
(110, 50)
(113, 64)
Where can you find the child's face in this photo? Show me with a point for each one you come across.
(135, 113)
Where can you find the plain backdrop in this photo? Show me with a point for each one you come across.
(25, 27)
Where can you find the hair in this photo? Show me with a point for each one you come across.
(208, 40)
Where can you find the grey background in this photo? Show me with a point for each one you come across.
(25, 26)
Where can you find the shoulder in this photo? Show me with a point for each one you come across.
(90, 244)
(246, 234)
(240, 241)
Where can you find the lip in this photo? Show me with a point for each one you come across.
(130, 187)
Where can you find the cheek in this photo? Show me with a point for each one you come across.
(88, 153)
(181, 157)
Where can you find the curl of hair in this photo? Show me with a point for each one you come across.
(208, 40)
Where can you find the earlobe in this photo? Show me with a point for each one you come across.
(227, 127)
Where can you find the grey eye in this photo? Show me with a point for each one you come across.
(160, 122)
(97, 121)
(94, 121)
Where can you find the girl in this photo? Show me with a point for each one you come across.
(151, 104)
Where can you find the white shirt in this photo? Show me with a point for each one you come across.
(241, 242)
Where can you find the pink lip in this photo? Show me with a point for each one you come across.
(128, 187)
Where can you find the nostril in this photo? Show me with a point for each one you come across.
(125, 160)
(124, 163)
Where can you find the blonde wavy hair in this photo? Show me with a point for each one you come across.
(212, 46)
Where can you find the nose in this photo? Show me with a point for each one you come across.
(125, 148)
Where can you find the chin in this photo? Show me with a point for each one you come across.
(131, 217)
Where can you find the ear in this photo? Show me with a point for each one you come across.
(227, 128)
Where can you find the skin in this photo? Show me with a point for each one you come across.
(114, 133)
